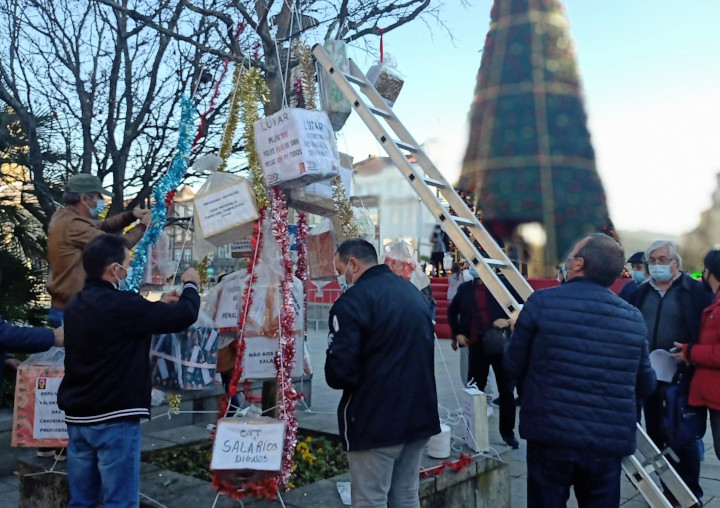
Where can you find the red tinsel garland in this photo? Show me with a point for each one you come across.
(202, 128)
(264, 487)
(459, 465)
(302, 267)
(286, 356)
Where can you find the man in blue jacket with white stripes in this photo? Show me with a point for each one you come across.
(581, 355)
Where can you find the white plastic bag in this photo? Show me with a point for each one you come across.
(186, 360)
(332, 99)
(318, 198)
(386, 79)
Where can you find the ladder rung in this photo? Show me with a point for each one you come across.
(379, 112)
(495, 263)
(353, 79)
(435, 183)
(406, 146)
(460, 221)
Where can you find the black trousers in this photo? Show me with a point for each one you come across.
(436, 258)
(478, 369)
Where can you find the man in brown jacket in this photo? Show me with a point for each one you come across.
(72, 227)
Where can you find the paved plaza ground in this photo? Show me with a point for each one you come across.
(322, 417)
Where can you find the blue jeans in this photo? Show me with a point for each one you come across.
(104, 461)
(388, 476)
(552, 470)
(56, 317)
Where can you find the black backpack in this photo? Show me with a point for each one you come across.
(681, 423)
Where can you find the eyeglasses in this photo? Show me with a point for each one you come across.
(660, 261)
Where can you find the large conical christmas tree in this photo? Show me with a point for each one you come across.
(529, 158)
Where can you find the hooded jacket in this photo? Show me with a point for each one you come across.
(381, 354)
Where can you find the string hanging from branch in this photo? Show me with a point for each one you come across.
(167, 183)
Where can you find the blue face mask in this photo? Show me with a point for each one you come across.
(660, 273)
(99, 208)
(638, 276)
(473, 273)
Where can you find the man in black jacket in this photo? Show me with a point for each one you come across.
(106, 388)
(672, 304)
(472, 314)
(381, 354)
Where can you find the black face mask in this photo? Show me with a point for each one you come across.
(706, 284)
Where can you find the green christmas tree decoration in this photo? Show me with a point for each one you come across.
(529, 157)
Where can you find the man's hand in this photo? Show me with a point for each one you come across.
(170, 297)
(461, 340)
(191, 275)
(511, 323)
(680, 355)
(501, 323)
(59, 336)
(140, 213)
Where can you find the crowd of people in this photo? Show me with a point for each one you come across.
(578, 355)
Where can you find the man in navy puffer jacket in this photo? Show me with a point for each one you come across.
(581, 355)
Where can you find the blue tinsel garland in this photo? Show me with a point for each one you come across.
(167, 183)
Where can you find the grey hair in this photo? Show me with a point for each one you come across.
(672, 249)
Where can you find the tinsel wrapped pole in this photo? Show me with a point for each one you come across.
(167, 183)
(286, 355)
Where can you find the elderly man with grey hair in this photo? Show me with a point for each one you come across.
(671, 303)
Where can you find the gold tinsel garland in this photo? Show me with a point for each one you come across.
(203, 271)
(174, 400)
(344, 210)
(253, 90)
(232, 121)
(302, 52)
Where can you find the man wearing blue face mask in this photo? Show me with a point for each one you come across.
(640, 275)
(381, 354)
(672, 304)
(72, 227)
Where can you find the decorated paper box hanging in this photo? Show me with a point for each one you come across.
(185, 360)
(248, 444)
(317, 198)
(332, 99)
(296, 147)
(37, 420)
(386, 79)
(225, 209)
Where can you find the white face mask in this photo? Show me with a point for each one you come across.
(343, 283)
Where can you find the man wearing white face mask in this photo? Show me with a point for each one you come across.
(106, 389)
(72, 227)
(381, 354)
(672, 304)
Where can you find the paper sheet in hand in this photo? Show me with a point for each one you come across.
(664, 364)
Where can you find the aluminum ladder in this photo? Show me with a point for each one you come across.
(399, 145)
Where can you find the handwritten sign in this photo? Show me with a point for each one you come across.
(259, 358)
(296, 147)
(226, 213)
(255, 444)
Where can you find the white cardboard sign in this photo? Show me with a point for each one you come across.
(259, 358)
(222, 210)
(49, 418)
(255, 444)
